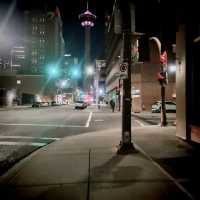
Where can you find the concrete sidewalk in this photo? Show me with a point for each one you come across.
(87, 167)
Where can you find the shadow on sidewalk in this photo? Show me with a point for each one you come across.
(112, 169)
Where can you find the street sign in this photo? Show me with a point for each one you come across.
(124, 70)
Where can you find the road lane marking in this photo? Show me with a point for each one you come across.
(151, 125)
(27, 137)
(139, 122)
(88, 121)
(99, 120)
(43, 125)
(36, 144)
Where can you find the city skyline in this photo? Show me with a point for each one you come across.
(73, 33)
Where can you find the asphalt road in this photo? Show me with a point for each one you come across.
(24, 130)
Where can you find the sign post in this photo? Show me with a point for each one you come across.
(163, 80)
(126, 145)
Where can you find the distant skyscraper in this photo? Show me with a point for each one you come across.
(44, 43)
(87, 21)
(55, 45)
(17, 58)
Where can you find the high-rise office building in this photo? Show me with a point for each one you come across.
(44, 43)
(17, 58)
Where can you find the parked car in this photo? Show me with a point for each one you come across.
(53, 103)
(80, 105)
(38, 104)
(170, 107)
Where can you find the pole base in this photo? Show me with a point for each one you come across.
(163, 124)
(126, 148)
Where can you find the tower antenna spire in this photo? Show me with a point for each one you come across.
(87, 5)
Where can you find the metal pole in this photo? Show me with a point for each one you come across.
(119, 96)
(11, 61)
(126, 146)
(163, 118)
(163, 106)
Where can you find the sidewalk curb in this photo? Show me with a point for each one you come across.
(17, 167)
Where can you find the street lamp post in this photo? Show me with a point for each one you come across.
(11, 60)
(162, 79)
(119, 95)
(98, 67)
(126, 145)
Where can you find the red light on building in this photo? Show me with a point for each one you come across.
(88, 99)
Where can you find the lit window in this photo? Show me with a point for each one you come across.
(34, 61)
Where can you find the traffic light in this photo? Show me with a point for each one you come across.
(75, 72)
(53, 71)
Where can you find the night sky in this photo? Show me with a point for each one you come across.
(151, 19)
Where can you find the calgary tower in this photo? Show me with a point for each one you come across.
(87, 21)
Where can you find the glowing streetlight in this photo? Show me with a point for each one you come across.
(63, 83)
(100, 91)
(76, 73)
(67, 55)
(89, 70)
(172, 68)
(53, 71)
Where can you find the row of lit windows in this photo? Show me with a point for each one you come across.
(41, 32)
(38, 29)
(42, 57)
(42, 40)
(36, 19)
(35, 28)
(35, 60)
(35, 40)
(34, 53)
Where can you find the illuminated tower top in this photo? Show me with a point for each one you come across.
(87, 18)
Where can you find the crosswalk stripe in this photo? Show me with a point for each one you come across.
(36, 144)
(27, 137)
(140, 123)
(88, 121)
(99, 120)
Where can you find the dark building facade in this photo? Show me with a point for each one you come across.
(145, 87)
(27, 77)
(44, 43)
(188, 71)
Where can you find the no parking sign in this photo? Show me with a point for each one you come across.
(124, 70)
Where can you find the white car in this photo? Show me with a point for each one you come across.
(80, 105)
(170, 107)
